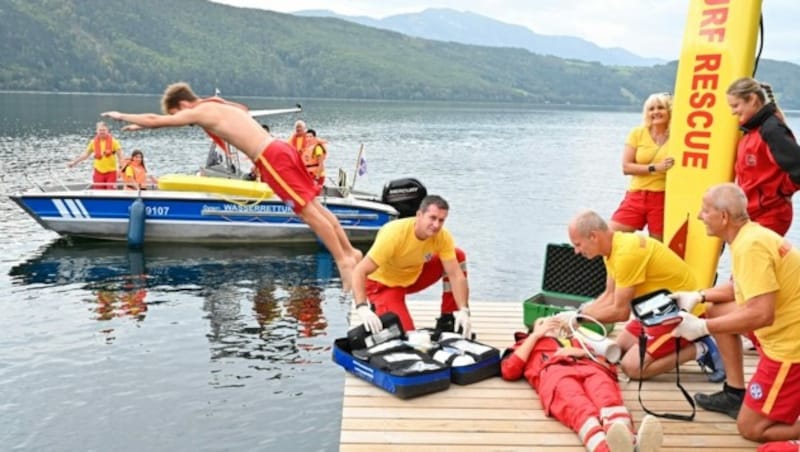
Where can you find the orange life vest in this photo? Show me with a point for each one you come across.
(298, 141)
(139, 178)
(313, 161)
(106, 139)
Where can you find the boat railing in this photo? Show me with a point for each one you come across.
(63, 179)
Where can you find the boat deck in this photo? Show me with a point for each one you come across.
(495, 415)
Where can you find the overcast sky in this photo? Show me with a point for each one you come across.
(649, 28)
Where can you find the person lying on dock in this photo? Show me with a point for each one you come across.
(409, 255)
(278, 163)
(578, 387)
(637, 266)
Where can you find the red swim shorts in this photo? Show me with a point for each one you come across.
(283, 170)
(642, 208)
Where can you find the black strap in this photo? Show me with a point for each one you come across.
(677, 417)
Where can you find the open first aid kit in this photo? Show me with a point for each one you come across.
(422, 362)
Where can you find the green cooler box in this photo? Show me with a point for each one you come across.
(568, 281)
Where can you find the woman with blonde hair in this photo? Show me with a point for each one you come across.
(767, 157)
(644, 158)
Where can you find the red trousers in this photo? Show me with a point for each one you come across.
(576, 392)
(104, 181)
(393, 299)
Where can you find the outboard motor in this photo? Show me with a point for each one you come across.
(404, 195)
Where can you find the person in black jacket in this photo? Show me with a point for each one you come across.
(768, 156)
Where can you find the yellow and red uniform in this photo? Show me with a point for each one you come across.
(104, 149)
(407, 265)
(764, 262)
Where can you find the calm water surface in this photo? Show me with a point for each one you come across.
(228, 348)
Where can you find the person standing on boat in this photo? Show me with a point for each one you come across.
(645, 160)
(278, 163)
(767, 158)
(314, 154)
(298, 138)
(107, 154)
(761, 300)
(577, 388)
(409, 255)
(637, 266)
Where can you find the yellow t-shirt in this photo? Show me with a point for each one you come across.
(764, 262)
(647, 153)
(647, 265)
(106, 163)
(400, 255)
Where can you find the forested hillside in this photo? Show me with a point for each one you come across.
(140, 46)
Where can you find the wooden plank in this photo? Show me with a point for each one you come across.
(497, 415)
(495, 448)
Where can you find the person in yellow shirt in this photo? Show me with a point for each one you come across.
(314, 155)
(763, 301)
(409, 255)
(637, 266)
(107, 154)
(645, 160)
(134, 173)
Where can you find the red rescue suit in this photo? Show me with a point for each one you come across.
(574, 391)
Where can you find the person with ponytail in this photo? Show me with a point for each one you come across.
(767, 158)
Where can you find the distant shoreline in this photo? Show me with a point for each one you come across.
(520, 105)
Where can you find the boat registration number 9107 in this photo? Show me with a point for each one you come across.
(157, 211)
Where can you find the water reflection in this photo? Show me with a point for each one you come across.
(221, 338)
(266, 292)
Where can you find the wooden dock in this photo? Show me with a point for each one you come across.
(495, 415)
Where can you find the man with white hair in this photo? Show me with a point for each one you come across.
(762, 300)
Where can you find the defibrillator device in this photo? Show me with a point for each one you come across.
(656, 308)
(660, 314)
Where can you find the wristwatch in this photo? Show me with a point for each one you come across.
(651, 168)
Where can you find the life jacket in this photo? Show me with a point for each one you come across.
(139, 178)
(311, 159)
(101, 151)
(215, 138)
(298, 141)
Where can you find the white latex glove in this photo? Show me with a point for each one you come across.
(461, 318)
(687, 300)
(691, 327)
(371, 321)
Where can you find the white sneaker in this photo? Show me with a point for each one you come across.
(619, 438)
(650, 435)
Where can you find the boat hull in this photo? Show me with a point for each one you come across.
(173, 216)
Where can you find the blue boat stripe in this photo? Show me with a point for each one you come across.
(62, 209)
(82, 208)
(73, 208)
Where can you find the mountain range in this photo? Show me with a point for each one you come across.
(125, 46)
(442, 24)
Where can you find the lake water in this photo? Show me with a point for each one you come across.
(228, 348)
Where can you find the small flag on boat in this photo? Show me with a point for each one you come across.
(362, 165)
